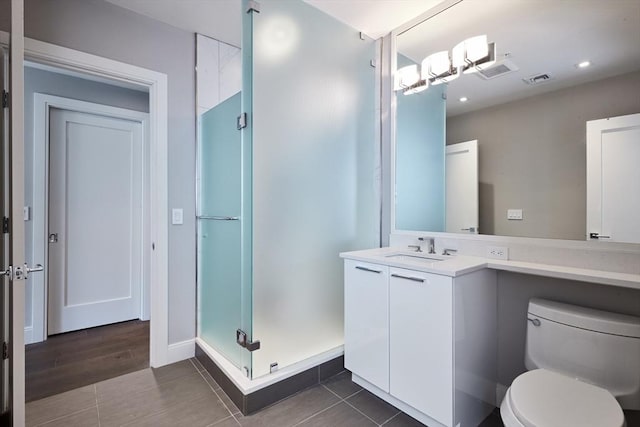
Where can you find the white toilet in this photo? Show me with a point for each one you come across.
(584, 368)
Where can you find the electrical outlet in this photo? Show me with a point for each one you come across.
(498, 252)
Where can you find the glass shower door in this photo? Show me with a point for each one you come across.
(221, 300)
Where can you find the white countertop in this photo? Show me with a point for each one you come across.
(458, 265)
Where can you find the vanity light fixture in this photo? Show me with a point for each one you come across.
(437, 68)
(474, 54)
(583, 64)
(407, 77)
(469, 56)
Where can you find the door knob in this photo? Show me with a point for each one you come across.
(53, 237)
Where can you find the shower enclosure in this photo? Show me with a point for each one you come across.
(288, 178)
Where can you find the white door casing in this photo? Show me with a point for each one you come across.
(156, 83)
(96, 202)
(613, 179)
(462, 200)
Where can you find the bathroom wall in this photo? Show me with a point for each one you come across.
(47, 82)
(103, 29)
(545, 159)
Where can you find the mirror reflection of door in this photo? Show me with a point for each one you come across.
(613, 179)
(462, 203)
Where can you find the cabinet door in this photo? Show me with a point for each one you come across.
(421, 342)
(366, 322)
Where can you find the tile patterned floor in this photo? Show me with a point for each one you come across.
(184, 394)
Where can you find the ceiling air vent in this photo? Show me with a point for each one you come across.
(538, 79)
(498, 69)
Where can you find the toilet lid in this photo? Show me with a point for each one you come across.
(542, 398)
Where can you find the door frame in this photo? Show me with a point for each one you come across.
(40, 252)
(156, 83)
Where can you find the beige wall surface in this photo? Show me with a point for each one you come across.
(532, 155)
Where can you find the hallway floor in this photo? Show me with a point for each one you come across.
(68, 361)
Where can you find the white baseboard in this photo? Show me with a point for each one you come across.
(181, 350)
(28, 335)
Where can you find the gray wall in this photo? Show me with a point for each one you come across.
(532, 155)
(103, 29)
(39, 81)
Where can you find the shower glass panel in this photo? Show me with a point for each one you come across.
(220, 220)
(310, 91)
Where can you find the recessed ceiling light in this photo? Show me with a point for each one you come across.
(464, 99)
(583, 64)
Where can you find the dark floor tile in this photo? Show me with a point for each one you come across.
(331, 368)
(632, 418)
(372, 406)
(197, 364)
(60, 405)
(86, 418)
(403, 420)
(340, 415)
(128, 407)
(233, 408)
(493, 420)
(209, 379)
(143, 379)
(342, 385)
(293, 410)
(201, 412)
(227, 422)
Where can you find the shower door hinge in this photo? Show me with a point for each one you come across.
(5, 225)
(5, 99)
(241, 339)
(253, 6)
(5, 351)
(242, 121)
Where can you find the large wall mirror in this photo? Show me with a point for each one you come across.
(516, 130)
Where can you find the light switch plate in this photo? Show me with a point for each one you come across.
(514, 214)
(177, 217)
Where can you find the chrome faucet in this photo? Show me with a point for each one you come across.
(431, 242)
(449, 251)
(416, 247)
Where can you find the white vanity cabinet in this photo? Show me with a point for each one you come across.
(424, 342)
(366, 333)
(421, 341)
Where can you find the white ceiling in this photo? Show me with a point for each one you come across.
(539, 36)
(221, 19)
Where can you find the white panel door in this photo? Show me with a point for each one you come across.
(462, 203)
(95, 220)
(613, 179)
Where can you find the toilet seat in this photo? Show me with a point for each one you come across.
(542, 398)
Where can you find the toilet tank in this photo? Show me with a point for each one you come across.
(594, 346)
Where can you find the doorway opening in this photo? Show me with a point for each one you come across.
(87, 216)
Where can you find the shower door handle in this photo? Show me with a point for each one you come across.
(219, 218)
(53, 238)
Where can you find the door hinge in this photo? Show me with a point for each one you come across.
(5, 351)
(242, 121)
(5, 99)
(5, 224)
(241, 339)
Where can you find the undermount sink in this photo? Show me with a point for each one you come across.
(414, 257)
